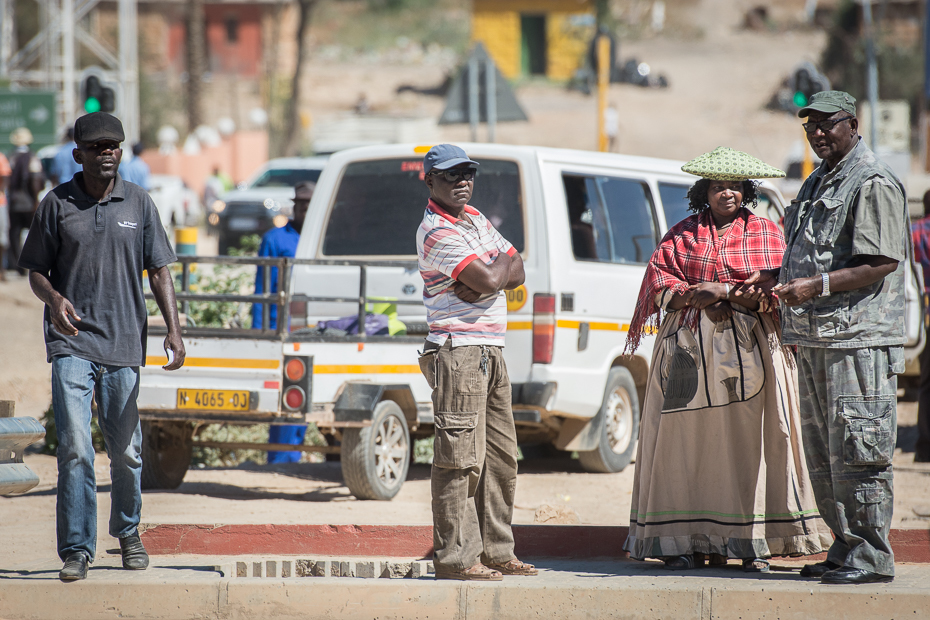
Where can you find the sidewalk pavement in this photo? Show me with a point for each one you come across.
(187, 587)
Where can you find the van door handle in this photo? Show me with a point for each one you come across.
(583, 329)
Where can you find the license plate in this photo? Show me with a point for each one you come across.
(213, 400)
(243, 223)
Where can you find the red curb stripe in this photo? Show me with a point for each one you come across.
(416, 541)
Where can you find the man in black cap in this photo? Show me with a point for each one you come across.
(282, 242)
(88, 245)
(466, 265)
(842, 290)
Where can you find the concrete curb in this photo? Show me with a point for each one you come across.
(416, 541)
(565, 590)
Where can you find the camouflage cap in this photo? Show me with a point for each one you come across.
(726, 164)
(829, 101)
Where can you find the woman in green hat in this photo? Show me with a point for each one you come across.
(719, 470)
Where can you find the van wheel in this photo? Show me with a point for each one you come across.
(166, 453)
(619, 425)
(375, 459)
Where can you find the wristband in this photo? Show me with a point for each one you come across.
(825, 278)
(727, 284)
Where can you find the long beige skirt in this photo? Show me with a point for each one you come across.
(720, 466)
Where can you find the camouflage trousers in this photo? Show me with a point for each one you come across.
(848, 426)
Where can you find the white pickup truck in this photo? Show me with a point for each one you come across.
(585, 223)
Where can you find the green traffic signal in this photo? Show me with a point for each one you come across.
(800, 99)
(91, 104)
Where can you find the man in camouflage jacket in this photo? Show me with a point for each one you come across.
(841, 286)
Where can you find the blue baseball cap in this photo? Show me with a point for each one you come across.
(445, 156)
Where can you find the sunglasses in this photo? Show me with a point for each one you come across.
(457, 174)
(824, 126)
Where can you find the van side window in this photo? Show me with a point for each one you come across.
(611, 218)
(380, 203)
(674, 202)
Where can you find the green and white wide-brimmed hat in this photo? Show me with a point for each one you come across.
(726, 164)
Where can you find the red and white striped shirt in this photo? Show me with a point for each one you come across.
(445, 246)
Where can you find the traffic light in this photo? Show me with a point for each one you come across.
(97, 94)
(806, 80)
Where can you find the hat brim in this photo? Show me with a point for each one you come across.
(103, 135)
(828, 108)
(452, 163)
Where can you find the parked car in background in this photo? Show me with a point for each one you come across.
(178, 205)
(262, 202)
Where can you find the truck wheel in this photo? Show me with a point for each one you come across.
(619, 425)
(375, 459)
(166, 453)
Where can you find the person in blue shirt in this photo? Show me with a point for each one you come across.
(63, 166)
(135, 170)
(279, 242)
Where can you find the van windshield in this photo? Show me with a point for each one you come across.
(380, 203)
(286, 177)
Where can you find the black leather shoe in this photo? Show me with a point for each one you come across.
(133, 552)
(75, 567)
(818, 569)
(854, 576)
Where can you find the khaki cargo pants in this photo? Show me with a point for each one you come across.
(848, 427)
(474, 474)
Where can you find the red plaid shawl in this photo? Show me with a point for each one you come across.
(691, 253)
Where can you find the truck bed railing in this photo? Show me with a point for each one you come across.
(283, 299)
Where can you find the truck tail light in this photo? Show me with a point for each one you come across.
(294, 398)
(297, 386)
(543, 328)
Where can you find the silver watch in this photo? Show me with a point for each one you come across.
(825, 278)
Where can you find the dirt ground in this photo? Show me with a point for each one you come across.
(719, 85)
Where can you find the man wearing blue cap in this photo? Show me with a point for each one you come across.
(842, 290)
(466, 265)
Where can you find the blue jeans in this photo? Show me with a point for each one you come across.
(115, 388)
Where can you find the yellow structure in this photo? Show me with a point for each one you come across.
(535, 37)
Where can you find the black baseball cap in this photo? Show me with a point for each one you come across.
(98, 126)
(445, 156)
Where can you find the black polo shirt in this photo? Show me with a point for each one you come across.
(93, 254)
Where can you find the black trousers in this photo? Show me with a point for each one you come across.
(922, 452)
(18, 223)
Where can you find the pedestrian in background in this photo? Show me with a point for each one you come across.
(136, 170)
(466, 265)
(26, 181)
(63, 166)
(841, 288)
(91, 239)
(920, 235)
(5, 172)
(279, 242)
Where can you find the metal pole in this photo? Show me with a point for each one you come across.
(362, 294)
(871, 74)
(129, 69)
(473, 111)
(266, 288)
(6, 37)
(925, 99)
(490, 90)
(66, 116)
(185, 286)
(284, 315)
(603, 81)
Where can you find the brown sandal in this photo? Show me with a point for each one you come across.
(478, 572)
(515, 567)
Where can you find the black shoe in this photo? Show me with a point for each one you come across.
(922, 457)
(854, 576)
(133, 552)
(818, 569)
(75, 567)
